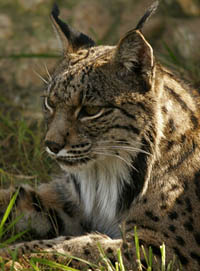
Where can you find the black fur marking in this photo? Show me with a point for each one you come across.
(164, 109)
(76, 38)
(195, 256)
(172, 228)
(184, 106)
(184, 157)
(147, 15)
(197, 238)
(173, 215)
(126, 197)
(188, 205)
(179, 201)
(86, 251)
(172, 126)
(197, 184)
(131, 191)
(152, 216)
(188, 226)
(182, 258)
(127, 127)
(170, 144)
(180, 240)
(155, 249)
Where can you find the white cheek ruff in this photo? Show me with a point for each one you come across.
(100, 186)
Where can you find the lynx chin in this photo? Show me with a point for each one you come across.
(125, 131)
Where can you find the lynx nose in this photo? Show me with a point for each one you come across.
(53, 146)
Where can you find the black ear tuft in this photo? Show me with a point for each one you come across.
(147, 15)
(55, 11)
(68, 35)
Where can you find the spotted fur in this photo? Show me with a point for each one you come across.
(125, 130)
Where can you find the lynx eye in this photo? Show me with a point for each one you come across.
(90, 112)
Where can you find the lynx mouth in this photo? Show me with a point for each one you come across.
(73, 161)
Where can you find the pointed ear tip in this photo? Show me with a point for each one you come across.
(55, 11)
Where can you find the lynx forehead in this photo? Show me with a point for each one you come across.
(126, 132)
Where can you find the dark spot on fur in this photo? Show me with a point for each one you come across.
(174, 187)
(150, 215)
(173, 215)
(166, 235)
(155, 249)
(164, 109)
(188, 226)
(48, 245)
(197, 184)
(182, 258)
(195, 256)
(87, 251)
(188, 205)
(172, 228)
(183, 138)
(180, 240)
(171, 125)
(163, 207)
(185, 185)
(109, 250)
(163, 196)
(145, 200)
(179, 201)
(170, 144)
(197, 238)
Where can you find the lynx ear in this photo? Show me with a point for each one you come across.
(134, 52)
(71, 40)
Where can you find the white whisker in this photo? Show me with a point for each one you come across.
(117, 156)
(42, 78)
(47, 71)
(126, 148)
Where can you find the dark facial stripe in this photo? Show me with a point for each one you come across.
(131, 191)
(129, 128)
(184, 106)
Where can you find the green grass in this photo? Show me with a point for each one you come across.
(22, 158)
(42, 263)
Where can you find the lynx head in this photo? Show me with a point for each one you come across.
(98, 103)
